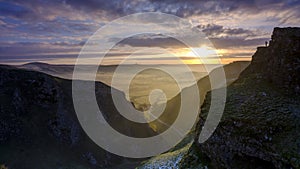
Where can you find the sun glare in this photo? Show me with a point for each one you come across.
(199, 55)
(202, 52)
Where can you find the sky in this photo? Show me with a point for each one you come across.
(54, 31)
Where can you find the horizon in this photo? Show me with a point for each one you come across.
(127, 64)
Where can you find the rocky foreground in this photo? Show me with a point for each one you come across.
(261, 122)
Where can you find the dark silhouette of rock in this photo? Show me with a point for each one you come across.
(39, 127)
(279, 63)
(261, 121)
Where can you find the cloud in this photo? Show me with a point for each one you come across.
(213, 30)
(220, 36)
(104, 9)
(57, 26)
(14, 10)
(150, 41)
(57, 49)
(21, 49)
(225, 43)
(225, 37)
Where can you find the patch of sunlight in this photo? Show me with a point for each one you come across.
(169, 160)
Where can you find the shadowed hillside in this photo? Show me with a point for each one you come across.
(39, 127)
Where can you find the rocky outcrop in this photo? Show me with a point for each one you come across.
(279, 63)
(261, 121)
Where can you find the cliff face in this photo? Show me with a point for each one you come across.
(261, 121)
(279, 63)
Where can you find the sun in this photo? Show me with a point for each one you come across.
(199, 55)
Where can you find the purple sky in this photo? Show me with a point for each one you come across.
(55, 30)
